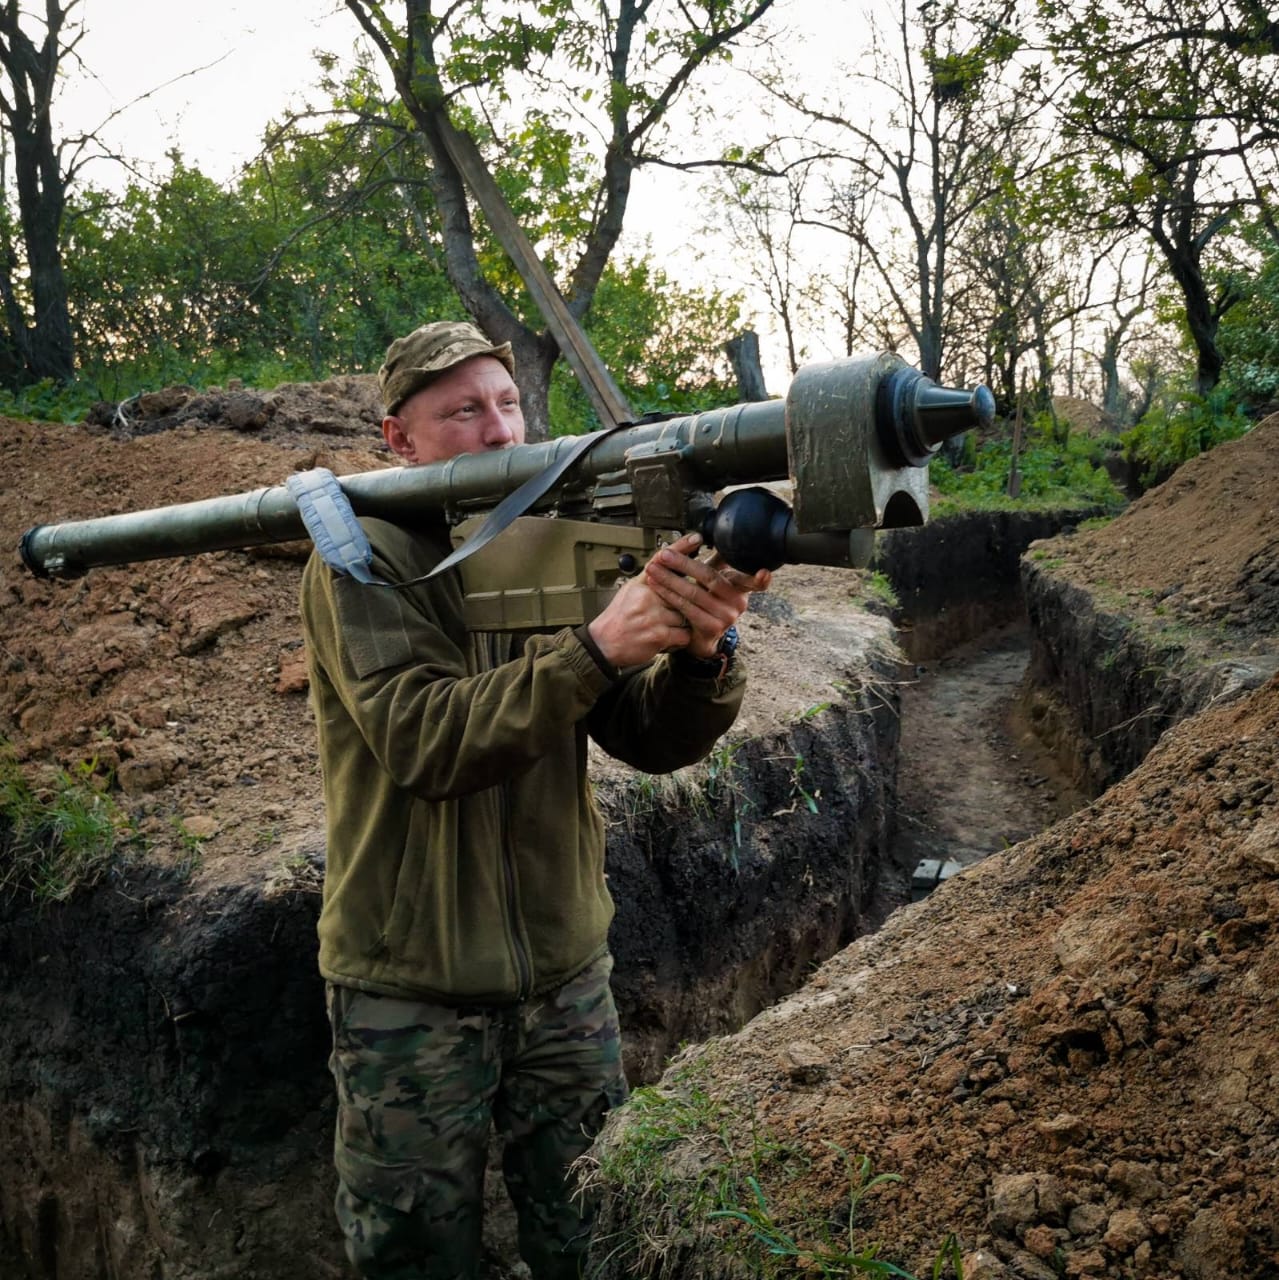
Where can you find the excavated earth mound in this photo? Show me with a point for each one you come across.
(1067, 1053)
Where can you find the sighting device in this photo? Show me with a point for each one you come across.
(544, 531)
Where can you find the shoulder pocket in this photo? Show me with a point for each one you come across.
(377, 626)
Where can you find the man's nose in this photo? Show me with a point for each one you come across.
(498, 431)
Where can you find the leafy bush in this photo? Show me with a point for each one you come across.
(1052, 475)
(1249, 333)
(49, 401)
(662, 341)
(1181, 426)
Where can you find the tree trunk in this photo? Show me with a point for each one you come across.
(1202, 318)
(1203, 331)
(1111, 387)
(535, 356)
(47, 344)
(743, 351)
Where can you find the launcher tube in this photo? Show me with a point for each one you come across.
(725, 446)
(854, 437)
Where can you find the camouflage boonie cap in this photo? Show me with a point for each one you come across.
(416, 361)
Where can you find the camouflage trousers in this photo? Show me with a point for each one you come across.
(420, 1086)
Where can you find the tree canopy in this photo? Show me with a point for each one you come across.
(1056, 195)
(594, 87)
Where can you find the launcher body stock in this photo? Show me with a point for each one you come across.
(853, 437)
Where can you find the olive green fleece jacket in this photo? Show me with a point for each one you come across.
(465, 851)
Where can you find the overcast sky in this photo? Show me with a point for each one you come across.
(255, 57)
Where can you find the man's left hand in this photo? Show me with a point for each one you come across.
(710, 595)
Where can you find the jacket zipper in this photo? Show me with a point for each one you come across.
(497, 652)
(523, 966)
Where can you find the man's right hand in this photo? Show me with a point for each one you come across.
(678, 602)
(637, 626)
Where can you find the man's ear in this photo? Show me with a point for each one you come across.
(397, 439)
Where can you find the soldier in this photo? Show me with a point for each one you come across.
(464, 928)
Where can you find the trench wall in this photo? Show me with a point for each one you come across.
(162, 1097)
(770, 858)
(959, 575)
(1101, 691)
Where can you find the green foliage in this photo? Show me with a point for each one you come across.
(153, 279)
(723, 787)
(663, 344)
(1249, 335)
(1182, 425)
(49, 401)
(957, 74)
(309, 262)
(1053, 474)
(564, 103)
(1155, 156)
(799, 791)
(56, 839)
(327, 247)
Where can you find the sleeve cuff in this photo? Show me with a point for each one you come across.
(587, 641)
(700, 668)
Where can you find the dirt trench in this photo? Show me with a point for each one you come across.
(972, 776)
(162, 1078)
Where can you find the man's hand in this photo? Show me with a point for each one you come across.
(707, 594)
(636, 626)
(678, 602)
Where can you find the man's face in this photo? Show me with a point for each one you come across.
(472, 408)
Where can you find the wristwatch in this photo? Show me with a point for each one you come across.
(718, 665)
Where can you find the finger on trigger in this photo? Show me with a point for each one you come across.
(687, 544)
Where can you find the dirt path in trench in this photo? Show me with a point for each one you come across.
(972, 778)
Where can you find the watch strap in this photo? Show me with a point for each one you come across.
(718, 665)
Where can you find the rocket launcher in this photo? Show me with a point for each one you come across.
(853, 438)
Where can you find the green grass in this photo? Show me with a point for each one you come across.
(815, 1248)
(647, 794)
(56, 839)
(724, 786)
(190, 848)
(695, 1175)
(878, 586)
(799, 792)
